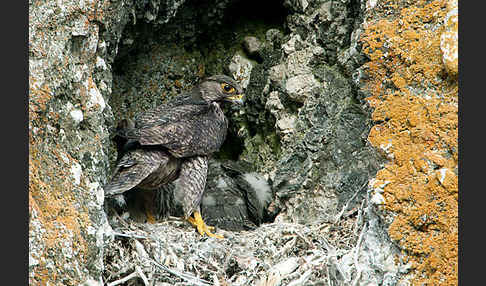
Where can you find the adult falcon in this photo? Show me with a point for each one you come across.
(173, 141)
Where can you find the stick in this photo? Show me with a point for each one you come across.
(356, 254)
(332, 257)
(189, 278)
(359, 218)
(348, 202)
(303, 278)
(328, 276)
(140, 273)
(123, 280)
(129, 235)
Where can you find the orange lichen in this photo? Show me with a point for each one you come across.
(38, 99)
(52, 196)
(416, 105)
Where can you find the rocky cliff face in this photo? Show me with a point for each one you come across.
(350, 117)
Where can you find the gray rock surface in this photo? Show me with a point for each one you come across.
(304, 128)
(252, 45)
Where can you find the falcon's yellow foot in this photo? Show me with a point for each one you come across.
(150, 217)
(148, 203)
(201, 226)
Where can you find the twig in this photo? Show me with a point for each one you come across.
(349, 201)
(359, 218)
(303, 238)
(121, 220)
(358, 244)
(174, 218)
(216, 280)
(358, 276)
(227, 261)
(328, 275)
(287, 246)
(356, 255)
(129, 235)
(140, 273)
(123, 280)
(303, 278)
(332, 254)
(189, 278)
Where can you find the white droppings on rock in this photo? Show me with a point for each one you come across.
(98, 192)
(379, 185)
(386, 147)
(76, 115)
(95, 99)
(377, 199)
(442, 173)
(370, 4)
(76, 172)
(376, 189)
(100, 63)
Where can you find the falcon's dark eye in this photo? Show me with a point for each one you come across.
(227, 88)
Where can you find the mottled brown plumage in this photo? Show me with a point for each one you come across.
(173, 140)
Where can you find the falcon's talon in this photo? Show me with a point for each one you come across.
(148, 198)
(201, 226)
(150, 217)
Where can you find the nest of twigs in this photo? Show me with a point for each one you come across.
(173, 253)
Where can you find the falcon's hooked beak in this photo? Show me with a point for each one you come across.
(237, 98)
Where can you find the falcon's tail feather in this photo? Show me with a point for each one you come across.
(125, 180)
(132, 169)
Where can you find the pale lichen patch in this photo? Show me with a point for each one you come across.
(449, 38)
